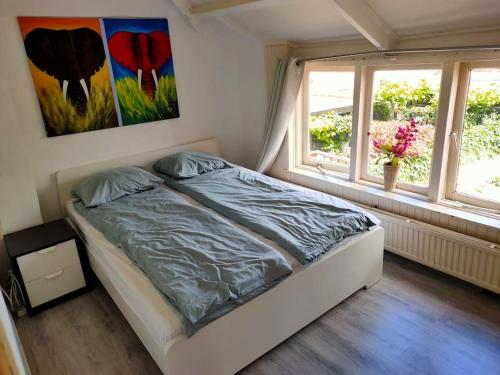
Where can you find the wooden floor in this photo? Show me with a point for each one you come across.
(414, 321)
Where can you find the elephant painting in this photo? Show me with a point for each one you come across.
(143, 70)
(143, 53)
(99, 73)
(70, 56)
(71, 73)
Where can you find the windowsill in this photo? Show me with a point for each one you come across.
(400, 196)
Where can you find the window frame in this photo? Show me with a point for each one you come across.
(305, 143)
(452, 102)
(457, 131)
(364, 175)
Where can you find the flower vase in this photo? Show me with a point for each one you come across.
(391, 173)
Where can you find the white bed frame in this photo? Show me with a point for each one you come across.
(233, 341)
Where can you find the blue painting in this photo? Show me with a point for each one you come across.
(142, 69)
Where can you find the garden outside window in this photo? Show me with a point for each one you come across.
(474, 165)
(328, 115)
(455, 106)
(398, 95)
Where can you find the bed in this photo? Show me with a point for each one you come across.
(236, 339)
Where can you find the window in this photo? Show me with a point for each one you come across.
(343, 103)
(328, 115)
(397, 97)
(475, 153)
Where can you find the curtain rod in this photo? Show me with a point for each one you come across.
(391, 52)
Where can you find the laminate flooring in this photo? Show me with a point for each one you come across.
(414, 321)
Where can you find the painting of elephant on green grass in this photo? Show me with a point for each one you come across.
(95, 73)
(142, 67)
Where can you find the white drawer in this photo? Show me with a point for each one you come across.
(49, 260)
(54, 285)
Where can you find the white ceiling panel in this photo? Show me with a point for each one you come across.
(410, 17)
(308, 20)
(292, 20)
(198, 2)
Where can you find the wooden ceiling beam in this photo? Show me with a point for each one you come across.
(360, 15)
(220, 7)
(357, 12)
(186, 10)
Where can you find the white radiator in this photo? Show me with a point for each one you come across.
(456, 254)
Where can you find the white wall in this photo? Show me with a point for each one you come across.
(221, 90)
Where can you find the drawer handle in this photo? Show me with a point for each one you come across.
(54, 275)
(47, 250)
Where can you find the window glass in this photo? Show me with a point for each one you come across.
(330, 117)
(479, 162)
(398, 96)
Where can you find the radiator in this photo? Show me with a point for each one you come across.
(456, 254)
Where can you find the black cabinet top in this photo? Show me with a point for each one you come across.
(39, 237)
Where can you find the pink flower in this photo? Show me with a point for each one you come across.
(399, 149)
(403, 144)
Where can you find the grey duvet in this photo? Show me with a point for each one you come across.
(204, 266)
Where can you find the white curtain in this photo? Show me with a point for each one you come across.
(286, 85)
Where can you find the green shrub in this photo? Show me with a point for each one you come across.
(382, 111)
(481, 140)
(396, 94)
(394, 99)
(422, 114)
(480, 104)
(422, 95)
(330, 132)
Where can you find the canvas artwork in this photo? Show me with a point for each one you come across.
(94, 73)
(143, 70)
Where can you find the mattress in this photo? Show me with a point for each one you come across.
(161, 319)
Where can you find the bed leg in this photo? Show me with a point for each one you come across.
(369, 285)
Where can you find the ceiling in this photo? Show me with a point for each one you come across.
(410, 17)
(295, 20)
(312, 20)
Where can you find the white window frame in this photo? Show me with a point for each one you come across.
(305, 147)
(368, 118)
(452, 98)
(457, 134)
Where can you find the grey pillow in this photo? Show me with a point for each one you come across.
(189, 164)
(113, 184)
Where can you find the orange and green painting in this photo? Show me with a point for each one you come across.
(71, 74)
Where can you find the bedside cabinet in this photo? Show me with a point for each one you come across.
(50, 262)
